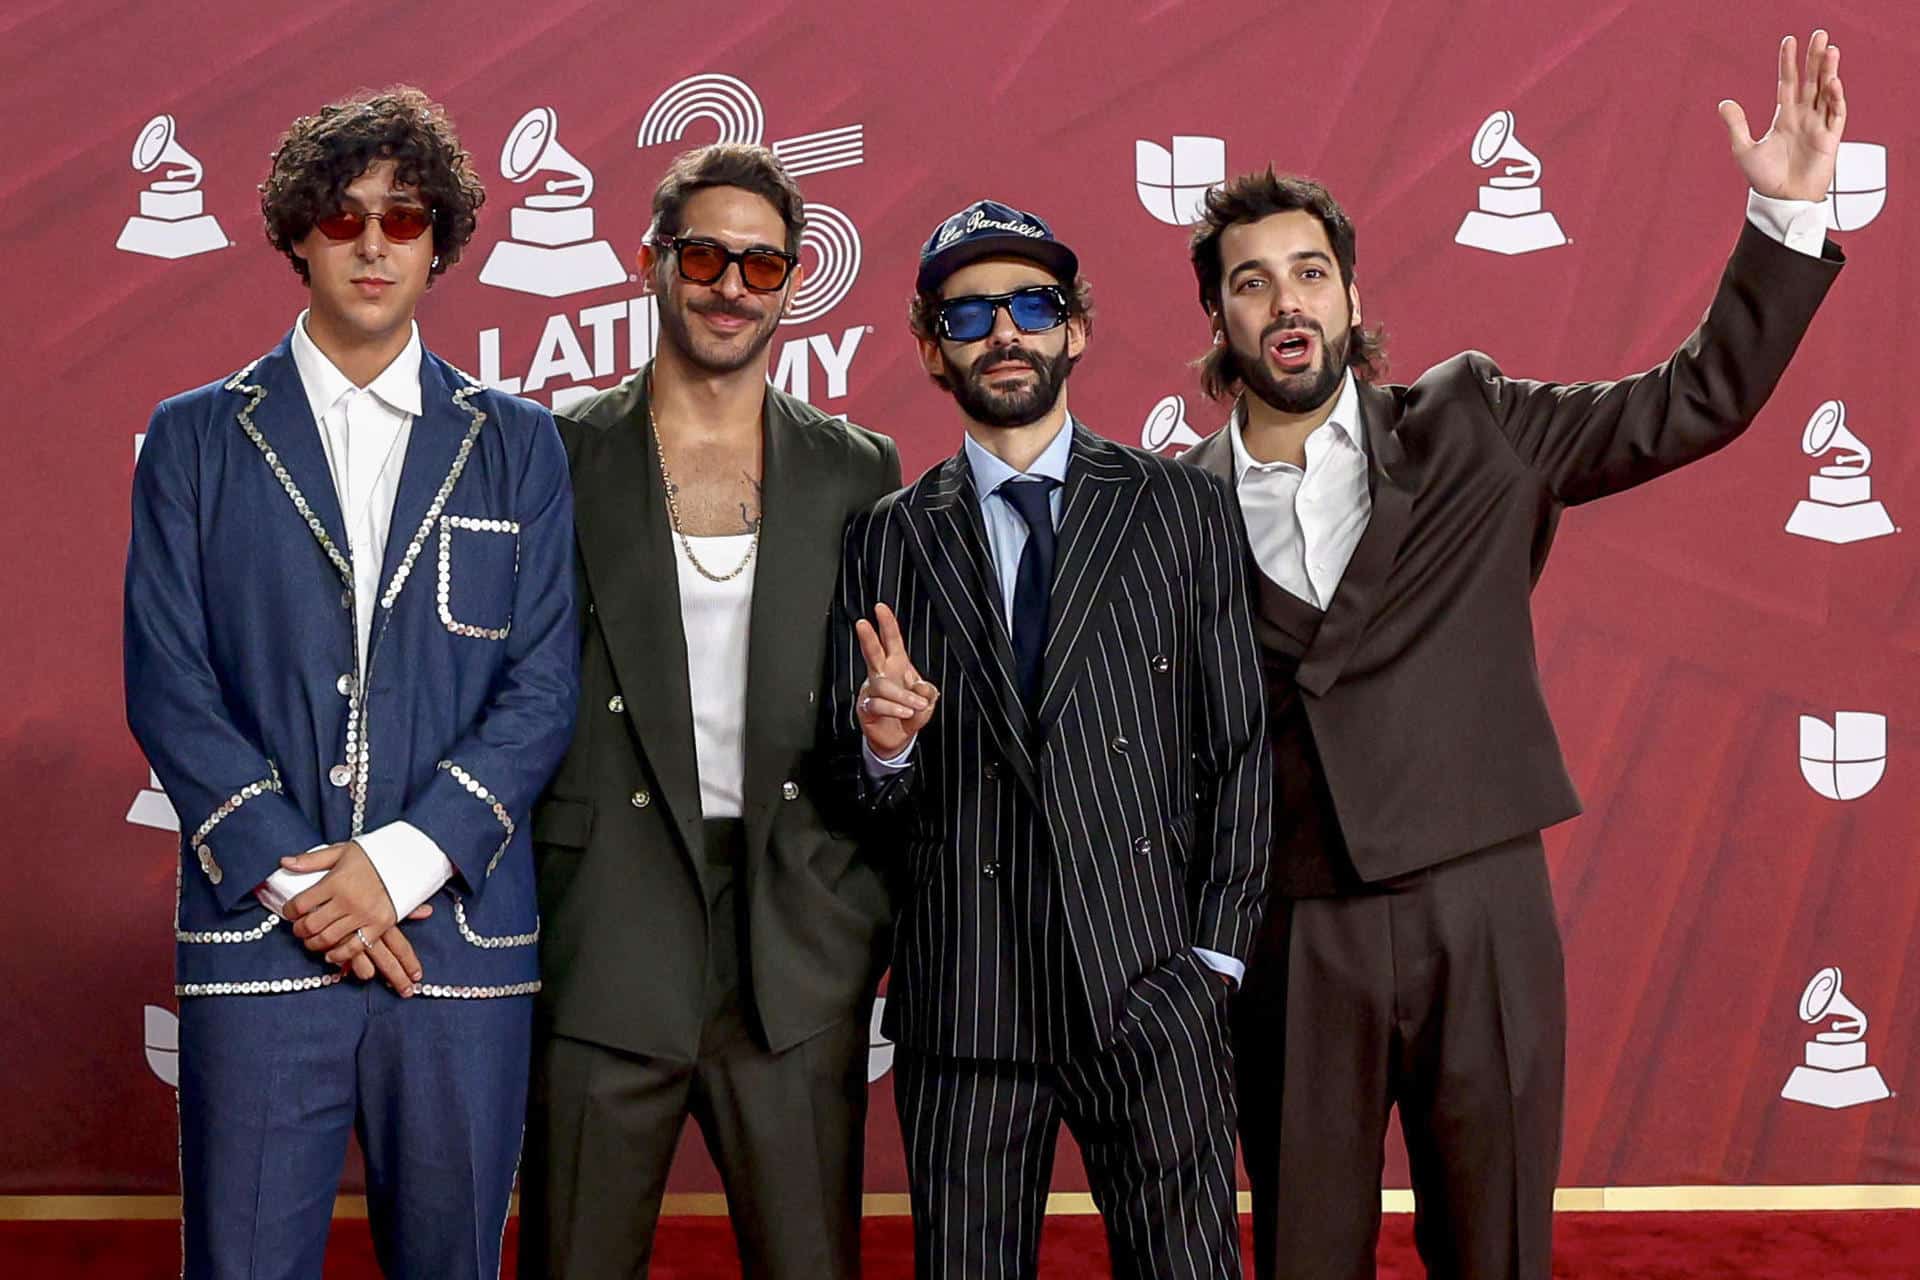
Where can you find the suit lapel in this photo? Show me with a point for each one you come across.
(948, 543)
(1215, 454)
(438, 446)
(1104, 487)
(799, 558)
(626, 545)
(1391, 483)
(275, 416)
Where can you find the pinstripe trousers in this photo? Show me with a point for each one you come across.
(1153, 1113)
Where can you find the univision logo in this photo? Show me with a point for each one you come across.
(1173, 184)
(162, 1036)
(1846, 759)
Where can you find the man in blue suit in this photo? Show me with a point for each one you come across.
(351, 659)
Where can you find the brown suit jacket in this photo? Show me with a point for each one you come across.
(1420, 684)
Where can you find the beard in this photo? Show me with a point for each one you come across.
(717, 355)
(1022, 406)
(1301, 392)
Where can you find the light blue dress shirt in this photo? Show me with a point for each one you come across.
(1006, 531)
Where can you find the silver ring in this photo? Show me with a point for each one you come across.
(364, 944)
(866, 705)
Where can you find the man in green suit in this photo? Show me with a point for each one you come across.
(710, 944)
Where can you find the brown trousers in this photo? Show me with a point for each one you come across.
(1440, 992)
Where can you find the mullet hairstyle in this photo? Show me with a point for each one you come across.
(727, 164)
(925, 304)
(320, 155)
(1250, 197)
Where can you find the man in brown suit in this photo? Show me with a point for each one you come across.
(1410, 954)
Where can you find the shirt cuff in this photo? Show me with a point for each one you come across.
(878, 768)
(284, 886)
(1235, 969)
(1801, 225)
(410, 864)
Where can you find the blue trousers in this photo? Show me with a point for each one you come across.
(270, 1087)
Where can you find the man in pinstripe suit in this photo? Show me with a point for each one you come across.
(1046, 681)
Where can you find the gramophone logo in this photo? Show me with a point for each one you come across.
(1166, 426)
(1839, 506)
(151, 808)
(1846, 759)
(731, 106)
(550, 249)
(1859, 188)
(1835, 1073)
(1173, 185)
(173, 221)
(1510, 218)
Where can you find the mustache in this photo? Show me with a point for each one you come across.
(722, 307)
(1006, 355)
(1297, 320)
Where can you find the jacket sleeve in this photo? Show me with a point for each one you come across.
(236, 820)
(1233, 814)
(1589, 439)
(859, 798)
(483, 791)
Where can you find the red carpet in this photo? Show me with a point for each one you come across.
(1643, 1246)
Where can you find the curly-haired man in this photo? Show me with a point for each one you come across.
(351, 658)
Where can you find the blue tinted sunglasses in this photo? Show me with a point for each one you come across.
(969, 317)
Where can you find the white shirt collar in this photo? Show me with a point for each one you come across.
(397, 386)
(990, 472)
(1345, 417)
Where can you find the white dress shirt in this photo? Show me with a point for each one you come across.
(1006, 540)
(716, 617)
(364, 431)
(1304, 523)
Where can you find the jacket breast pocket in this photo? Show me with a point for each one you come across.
(479, 566)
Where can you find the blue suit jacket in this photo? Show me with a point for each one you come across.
(240, 666)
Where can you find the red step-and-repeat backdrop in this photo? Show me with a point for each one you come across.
(1731, 652)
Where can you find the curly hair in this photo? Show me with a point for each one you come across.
(320, 155)
(1249, 198)
(924, 304)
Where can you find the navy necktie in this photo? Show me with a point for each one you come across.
(1034, 581)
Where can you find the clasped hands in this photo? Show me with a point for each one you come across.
(349, 916)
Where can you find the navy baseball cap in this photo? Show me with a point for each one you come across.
(989, 229)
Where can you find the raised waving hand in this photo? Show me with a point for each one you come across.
(1794, 159)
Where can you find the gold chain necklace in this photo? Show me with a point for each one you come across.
(673, 508)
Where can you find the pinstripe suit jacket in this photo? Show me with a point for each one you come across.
(1045, 860)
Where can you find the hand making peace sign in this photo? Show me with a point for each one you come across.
(1794, 160)
(894, 703)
